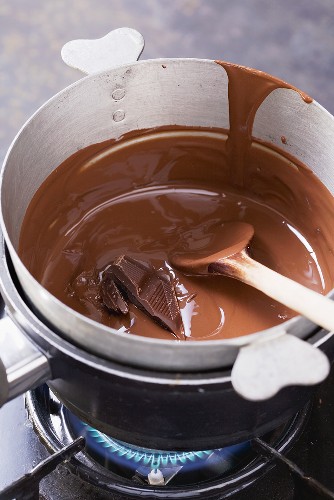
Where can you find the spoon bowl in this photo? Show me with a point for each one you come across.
(230, 239)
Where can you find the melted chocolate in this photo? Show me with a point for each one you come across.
(247, 89)
(167, 193)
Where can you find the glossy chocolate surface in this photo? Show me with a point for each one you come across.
(155, 193)
(145, 201)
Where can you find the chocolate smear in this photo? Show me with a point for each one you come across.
(111, 295)
(247, 89)
(150, 290)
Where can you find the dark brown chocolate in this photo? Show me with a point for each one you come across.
(111, 295)
(185, 191)
(150, 290)
(85, 286)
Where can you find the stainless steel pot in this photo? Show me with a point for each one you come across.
(109, 103)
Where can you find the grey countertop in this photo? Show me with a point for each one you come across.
(292, 39)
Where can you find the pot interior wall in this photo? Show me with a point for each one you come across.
(155, 93)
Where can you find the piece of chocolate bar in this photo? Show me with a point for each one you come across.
(86, 288)
(111, 295)
(150, 290)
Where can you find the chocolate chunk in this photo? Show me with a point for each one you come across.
(150, 290)
(111, 295)
(86, 287)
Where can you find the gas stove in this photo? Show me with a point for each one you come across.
(43, 456)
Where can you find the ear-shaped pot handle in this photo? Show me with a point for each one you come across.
(264, 367)
(120, 46)
(22, 365)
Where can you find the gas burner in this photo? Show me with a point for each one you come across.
(116, 467)
(154, 466)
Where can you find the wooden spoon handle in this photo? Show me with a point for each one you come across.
(311, 304)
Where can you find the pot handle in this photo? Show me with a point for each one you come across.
(120, 46)
(22, 365)
(262, 368)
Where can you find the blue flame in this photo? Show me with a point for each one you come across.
(154, 459)
(109, 449)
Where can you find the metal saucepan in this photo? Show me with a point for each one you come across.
(107, 104)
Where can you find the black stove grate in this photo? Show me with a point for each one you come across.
(27, 487)
(303, 482)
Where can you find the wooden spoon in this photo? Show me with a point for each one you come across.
(229, 257)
